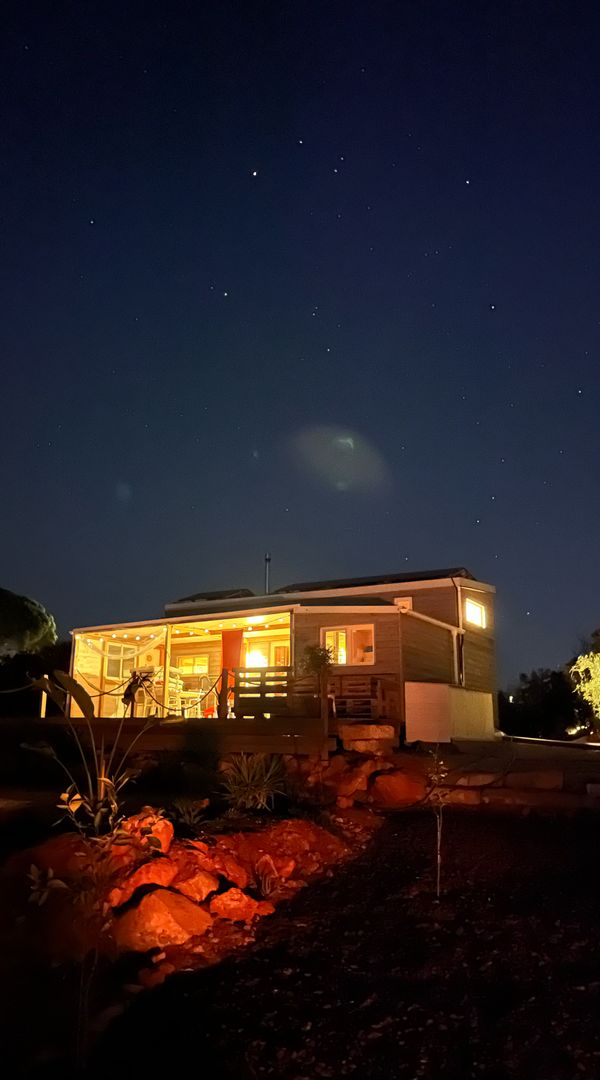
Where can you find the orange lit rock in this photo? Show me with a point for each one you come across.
(238, 907)
(159, 871)
(396, 789)
(150, 824)
(66, 854)
(161, 918)
(220, 859)
(198, 886)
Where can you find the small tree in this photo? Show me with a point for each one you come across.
(25, 626)
(318, 661)
(437, 797)
(585, 673)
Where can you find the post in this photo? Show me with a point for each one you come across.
(267, 569)
(323, 680)
(223, 695)
(166, 670)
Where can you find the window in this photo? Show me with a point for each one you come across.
(267, 653)
(193, 665)
(120, 661)
(351, 645)
(475, 613)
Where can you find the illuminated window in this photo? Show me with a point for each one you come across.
(351, 645)
(120, 661)
(193, 665)
(265, 653)
(475, 613)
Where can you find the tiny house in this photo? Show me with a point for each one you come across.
(412, 650)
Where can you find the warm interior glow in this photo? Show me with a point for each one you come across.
(352, 645)
(104, 659)
(254, 658)
(475, 613)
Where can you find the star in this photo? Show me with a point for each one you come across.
(255, 172)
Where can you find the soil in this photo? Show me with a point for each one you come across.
(366, 975)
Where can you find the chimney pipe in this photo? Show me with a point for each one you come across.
(267, 568)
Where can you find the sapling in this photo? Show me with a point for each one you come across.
(437, 798)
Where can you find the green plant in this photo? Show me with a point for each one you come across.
(437, 798)
(188, 813)
(318, 661)
(94, 804)
(42, 883)
(251, 781)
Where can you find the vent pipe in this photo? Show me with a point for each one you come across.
(267, 572)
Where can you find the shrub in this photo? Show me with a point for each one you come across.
(251, 781)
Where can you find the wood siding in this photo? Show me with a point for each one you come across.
(437, 603)
(427, 651)
(479, 646)
(307, 631)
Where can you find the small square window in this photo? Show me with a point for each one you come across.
(475, 613)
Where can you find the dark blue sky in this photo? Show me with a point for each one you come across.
(415, 264)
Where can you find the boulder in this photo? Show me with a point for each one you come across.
(159, 871)
(479, 779)
(396, 789)
(352, 732)
(220, 860)
(538, 779)
(370, 746)
(237, 906)
(344, 802)
(66, 854)
(148, 824)
(198, 886)
(462, 796)
(161, 918)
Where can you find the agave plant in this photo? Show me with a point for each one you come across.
(251, 781)
(94, 804)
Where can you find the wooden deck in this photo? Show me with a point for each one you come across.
(269, 735)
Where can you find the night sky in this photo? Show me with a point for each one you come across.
(315, 278)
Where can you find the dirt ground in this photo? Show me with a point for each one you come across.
(364, 974)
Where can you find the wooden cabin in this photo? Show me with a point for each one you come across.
(414, 650)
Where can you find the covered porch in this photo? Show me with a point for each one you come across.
(195, 668)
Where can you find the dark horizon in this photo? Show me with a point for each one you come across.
(319, 281)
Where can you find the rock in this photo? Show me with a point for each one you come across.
(161, 918)
(150, 824)
(344, 802)
(370, 746)
(462, 796)
(395, 789)
(337, 764)
(220, 860)
(540, 780)
(198, 886)
(238, 906)
(66, 854)
(352, 732)
(159, 871)
(479, 779)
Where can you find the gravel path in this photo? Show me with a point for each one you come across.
(365, 975)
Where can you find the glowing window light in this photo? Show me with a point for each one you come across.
(475, 613)
(254, 658)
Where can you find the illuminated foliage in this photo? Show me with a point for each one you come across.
(585, 673)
